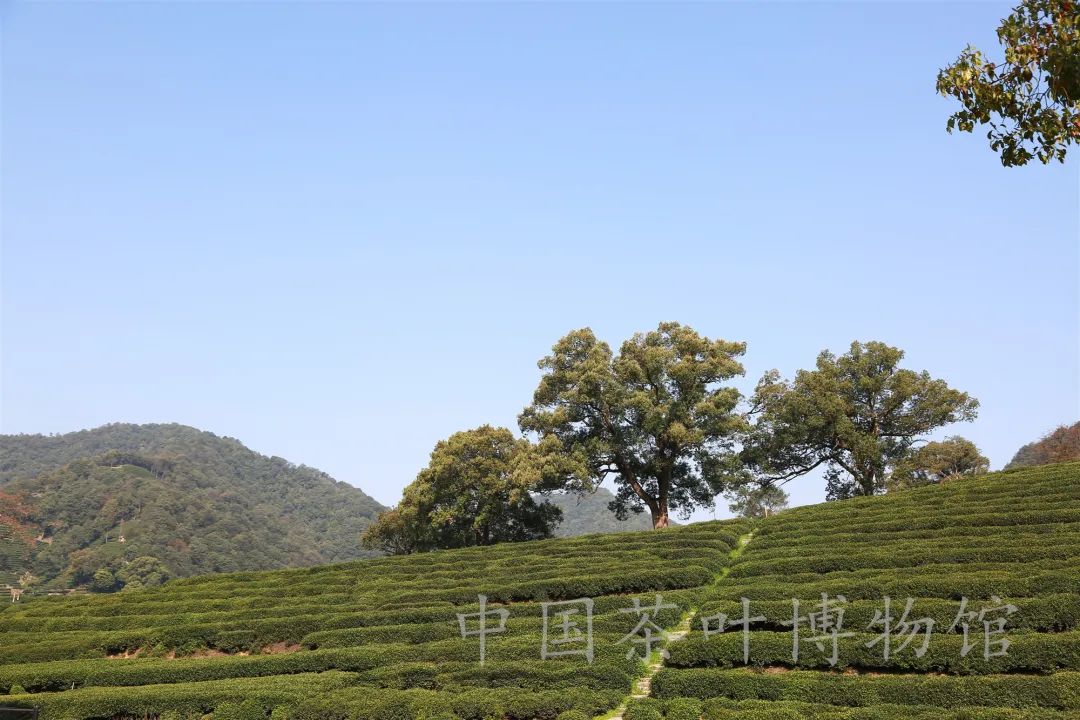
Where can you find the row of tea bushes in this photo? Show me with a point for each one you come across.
(327, 696)
(327, 616)
(889, 523)
(782, 542)
(1027, 653)
(841, 556)
(1021, 581)
(724, 709)
(1060, 691)
(1048, 613)
(1009, 535)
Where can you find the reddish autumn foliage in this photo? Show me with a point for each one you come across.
(1061, 445)
(15, 514)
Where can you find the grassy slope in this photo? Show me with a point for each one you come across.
(375, 639)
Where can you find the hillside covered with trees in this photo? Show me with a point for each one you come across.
(1061, 445)
(131, 504)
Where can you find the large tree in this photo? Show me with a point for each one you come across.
(476, 490)
(855, 415)
(1031, 99)
(937, 462)
(656, 418)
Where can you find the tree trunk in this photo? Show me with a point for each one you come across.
(869, 481)
(660, 517)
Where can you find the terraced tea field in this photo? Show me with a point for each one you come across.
(382, 638)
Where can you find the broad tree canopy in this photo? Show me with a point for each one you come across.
(657, 417)
(476, 490)
(937, 462)
(856, 415)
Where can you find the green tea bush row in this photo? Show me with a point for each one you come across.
(331, 616)
(96, 645)
(1049, 613)
(993, 491)
(59, 675)
(843, 557)
(390, 664)
(941, 585)
(891, 523)
(1027, 653)
(615, 673)
(617, 577)
(1065, 568)
(183, 699)
(480, 704)
(858, 510)
(475, 585)
(988, 535)
(1059, 691)
(835, 518)
(518, 623)
(724, 709)
(612, 674)
(602, 581)
(480, 572)
(1001, 541)
(71, 645)
(644, 709)
(52, 607)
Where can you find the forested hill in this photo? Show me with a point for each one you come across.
(185, 502)
(1061, 445)
(193, 501)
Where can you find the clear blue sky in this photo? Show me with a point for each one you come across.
(340, 232)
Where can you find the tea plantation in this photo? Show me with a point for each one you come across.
(382, 638)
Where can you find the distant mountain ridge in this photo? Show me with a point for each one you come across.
(590, 514)
(193, 500)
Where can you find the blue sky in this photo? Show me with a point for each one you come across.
(340, 232)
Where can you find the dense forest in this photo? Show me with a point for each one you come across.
(82, 507)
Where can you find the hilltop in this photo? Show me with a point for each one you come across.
(195, 501)
(380, 638)
(1060, 445)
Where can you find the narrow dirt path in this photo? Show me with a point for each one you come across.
(643, 685)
